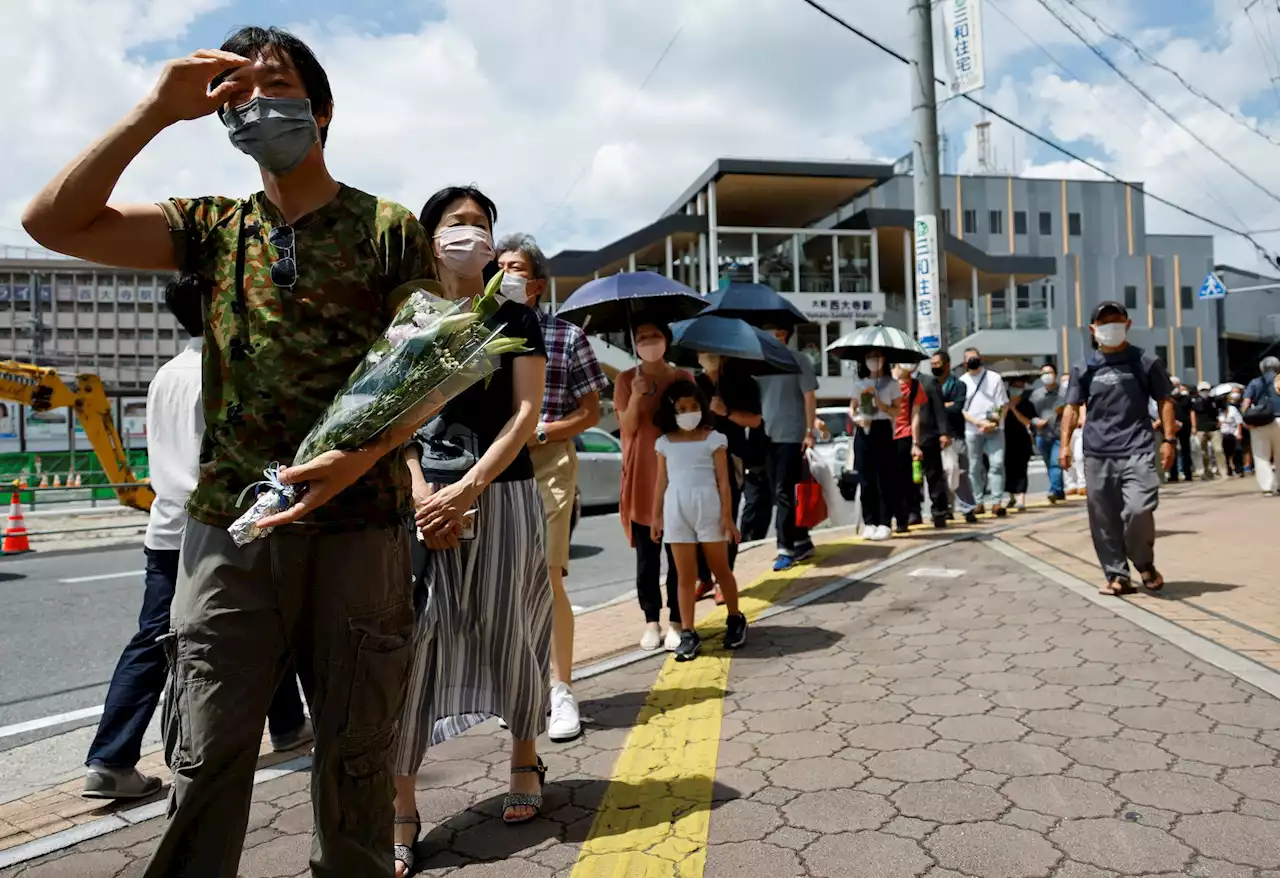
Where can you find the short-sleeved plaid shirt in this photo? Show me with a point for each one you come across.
(572, 370)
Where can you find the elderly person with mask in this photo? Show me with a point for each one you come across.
(570, 405)
(1264, 437)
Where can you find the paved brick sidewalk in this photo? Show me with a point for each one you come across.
(987, 724)
(1213, 546)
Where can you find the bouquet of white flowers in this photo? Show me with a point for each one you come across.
(433, 350)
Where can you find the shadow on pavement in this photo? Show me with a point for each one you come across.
(569, 817)
(622, 711)
(853, 555)
(1161, 534)
(1176, 590)
(778, 641)
(579, 551)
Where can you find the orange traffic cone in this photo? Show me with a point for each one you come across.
(57, 482)
(44, 480)
(77, 480)
(15, 535)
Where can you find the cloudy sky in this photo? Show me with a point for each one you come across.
(563, 113)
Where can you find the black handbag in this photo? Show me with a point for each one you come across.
(847, 481)
(1260, 413)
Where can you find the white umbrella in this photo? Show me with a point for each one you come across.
(898, 347)
(1227, 389)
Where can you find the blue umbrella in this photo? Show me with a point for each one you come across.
(621, 301)
(757, 304)
(732, 337)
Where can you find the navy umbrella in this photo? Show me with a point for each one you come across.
(732, 337)
(757, 304)
(621, 301)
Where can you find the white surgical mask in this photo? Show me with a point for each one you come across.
(1110, 335)
(1048, 380)
(513, 288)
(689, 420)
(465, 250)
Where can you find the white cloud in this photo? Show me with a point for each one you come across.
(525, 102)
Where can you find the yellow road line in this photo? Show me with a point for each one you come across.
(656, 814)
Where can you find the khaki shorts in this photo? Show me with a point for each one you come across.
(555, 466)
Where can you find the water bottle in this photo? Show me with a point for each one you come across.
(917, 472)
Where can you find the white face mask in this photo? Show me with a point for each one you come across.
(1048, 380)
(875, 364)
(465, 250)
(513, 288)
(689, 420)
(1110, 335)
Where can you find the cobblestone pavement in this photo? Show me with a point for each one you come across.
(919, 723)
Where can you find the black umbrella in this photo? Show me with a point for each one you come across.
(621, 301)
(757, 304)
(759, 351)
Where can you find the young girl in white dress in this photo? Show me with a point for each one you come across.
(692, 508)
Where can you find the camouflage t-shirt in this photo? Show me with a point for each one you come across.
(275, 361)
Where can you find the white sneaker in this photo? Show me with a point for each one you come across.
(565, 723)
(673, 638)
(868, 532)
(883, 533)
(651, 639)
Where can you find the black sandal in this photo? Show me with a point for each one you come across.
(1152, 580)
(404, 852)
(1116, 587)
(525, 800)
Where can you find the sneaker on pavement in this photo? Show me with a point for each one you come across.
(689, 645)
(1000, 512)
(303, 734)
(673, 638)
(914, 519)
(971, 517)
(102, 782)
(882, 533)
(783, 562)
(868, 531)
(651, 639)
(565, 723)
(735, 631)
(804, 554)
(940, 523)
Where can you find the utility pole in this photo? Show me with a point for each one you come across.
(928, 302)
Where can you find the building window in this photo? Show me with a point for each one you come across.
(996, 221)
(125, 334)
(1131, 298)
(1187, 297)
(1162, 354)
(1024, 296)
(146, 335)
(946, 220)
(970, 222)
(166, 333)
(1073, 224)
(1157, 297)
(1188, 356)
(1019, 222)
(1046, 223)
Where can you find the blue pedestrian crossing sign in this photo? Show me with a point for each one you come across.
(1213, 288)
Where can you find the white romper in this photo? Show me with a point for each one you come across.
(691, 507)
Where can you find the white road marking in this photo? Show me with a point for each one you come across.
(102, 576)
(33, 725)
(937, 572)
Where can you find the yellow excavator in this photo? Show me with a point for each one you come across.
(42, 389)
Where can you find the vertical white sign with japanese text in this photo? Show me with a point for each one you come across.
(928, 306)
(962, 26)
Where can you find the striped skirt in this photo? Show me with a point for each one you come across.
(483, 640)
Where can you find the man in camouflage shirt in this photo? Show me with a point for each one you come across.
(297, 282)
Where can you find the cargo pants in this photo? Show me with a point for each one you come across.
(342, 604)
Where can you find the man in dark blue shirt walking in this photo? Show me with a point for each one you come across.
(1116, 382)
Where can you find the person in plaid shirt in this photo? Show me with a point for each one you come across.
(570, 405)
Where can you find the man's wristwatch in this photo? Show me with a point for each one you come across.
(541, 435)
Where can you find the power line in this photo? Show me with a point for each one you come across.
(1047, 142)
(1208, 190)
(1137, 50)
(1102, 56)
(1263, 48)
(586, 165)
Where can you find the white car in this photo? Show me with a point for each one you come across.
(599, 471)
(833, 443)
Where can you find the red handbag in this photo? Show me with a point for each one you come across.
(811, 506)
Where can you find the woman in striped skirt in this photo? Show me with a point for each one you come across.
(483, 639)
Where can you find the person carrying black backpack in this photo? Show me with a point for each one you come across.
(1117, 381)
(1260, 410)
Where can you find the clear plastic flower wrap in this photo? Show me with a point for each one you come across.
(433, 350)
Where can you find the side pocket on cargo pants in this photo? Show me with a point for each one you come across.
(381, 650)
